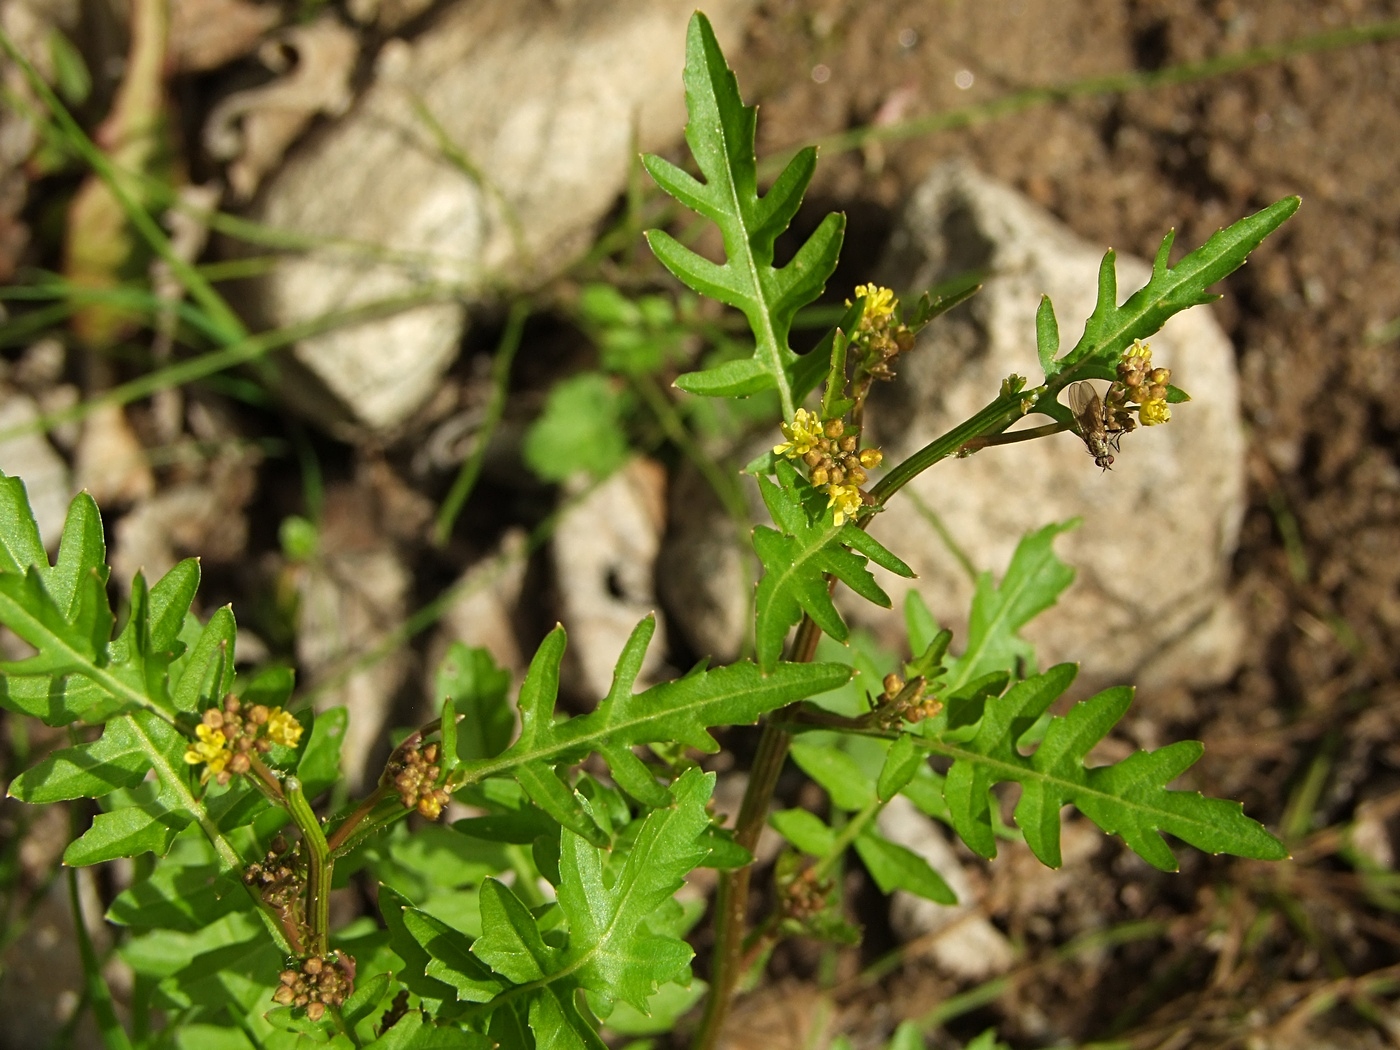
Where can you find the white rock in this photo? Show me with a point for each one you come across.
(1158, 530)
(485, 601)
(960, 940)
(604, 561)
(350, 600)
(546, 104)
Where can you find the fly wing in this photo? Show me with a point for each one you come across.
(1085, 404)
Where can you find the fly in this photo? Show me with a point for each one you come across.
(1092, 420)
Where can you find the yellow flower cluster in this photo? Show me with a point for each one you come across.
(1144, 384)
(227, 737)
(835, 462)
(880, 304)
(880, 336)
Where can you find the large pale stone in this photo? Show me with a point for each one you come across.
(1158, 529)
(544, 106)
(604, 552)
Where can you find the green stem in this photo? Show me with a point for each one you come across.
(500, 384)
(348, 825)
(993, 419)
(318, 866)
(732, 899)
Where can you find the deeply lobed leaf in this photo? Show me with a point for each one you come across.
(1129, 798)
(798, 559)
(720, 133)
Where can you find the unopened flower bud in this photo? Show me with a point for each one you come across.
(313, 965)
(834, 428)
(239, 763)
(870, 457)
(848, 443)
(288, 977)
(213, 718)
(258, 714)
(284, 995)
(315, 1011)
(820, 476)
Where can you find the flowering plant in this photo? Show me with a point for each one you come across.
(551, 914)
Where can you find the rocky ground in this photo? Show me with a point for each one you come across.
(1290, 677)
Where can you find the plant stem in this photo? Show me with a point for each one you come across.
(993, 419)
(350, 823)
(318, 866)
(731, 903)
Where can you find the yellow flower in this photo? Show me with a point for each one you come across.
(1142, 352)
(283, 728)
(880, 303)
(1154, 411)
(802, 435)
(209, 749)
(846, 499)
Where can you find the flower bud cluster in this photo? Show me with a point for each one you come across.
(1138, 381)
(280, 881)
(317, 984)
(803, 896)
(413, 772)
(881, 336)
(834, 459)
(229, 737)
(905, 701)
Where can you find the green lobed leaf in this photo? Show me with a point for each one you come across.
(20, 543)
(115, 760)
(680, 711)
(207, 672)
(1128, 798)
(612, 950)
(901, 764)
(805, 830)
(798, 558)
(510, 943)
(1112, 328)
(479, 689)
(1033, 582)
(895, 867)
(450, 959)
(720, 133)
(174, 896)
(837, 772)
(411, 1032)
(434, 993)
